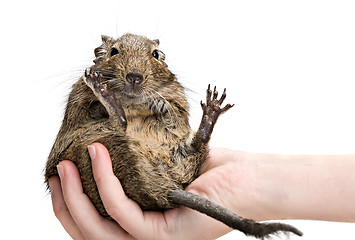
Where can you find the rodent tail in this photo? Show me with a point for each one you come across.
(248, 227)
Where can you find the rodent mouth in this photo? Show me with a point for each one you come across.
(132, 98)
(131, 91)
(131, 95)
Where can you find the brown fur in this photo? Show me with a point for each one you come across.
(144, 126)
(149, 157)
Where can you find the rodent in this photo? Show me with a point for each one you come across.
(133, 104)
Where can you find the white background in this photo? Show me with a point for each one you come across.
(288, 66)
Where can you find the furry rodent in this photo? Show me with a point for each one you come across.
(130, 102)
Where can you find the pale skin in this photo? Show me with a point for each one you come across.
(256, 186)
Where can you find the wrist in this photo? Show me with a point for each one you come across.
(263, 186)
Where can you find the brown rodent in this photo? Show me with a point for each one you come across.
(130, 102)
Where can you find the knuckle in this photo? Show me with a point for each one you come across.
(113, 212)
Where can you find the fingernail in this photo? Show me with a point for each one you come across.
(92, 152)
(60, 171)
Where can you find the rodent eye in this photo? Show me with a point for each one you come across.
(113, 52)
(155, 54)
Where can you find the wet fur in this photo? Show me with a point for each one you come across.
(149, 156)
(145, 128)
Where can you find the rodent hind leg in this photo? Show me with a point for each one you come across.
(211, 111)
(94, 80)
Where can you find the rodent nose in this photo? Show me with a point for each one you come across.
(134, 78)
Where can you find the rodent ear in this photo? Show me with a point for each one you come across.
(105, 38)
(156, 41)
(101, 50)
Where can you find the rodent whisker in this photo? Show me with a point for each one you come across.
(170, 108)
(110, 73)
(162, 80)
(110, 80)
(116, 87)
(153, 149)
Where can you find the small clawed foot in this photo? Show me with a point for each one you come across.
(94, 80)
(212, 107)
(211, 111)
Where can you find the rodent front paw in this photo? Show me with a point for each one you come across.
(94, 80)
(212, 107)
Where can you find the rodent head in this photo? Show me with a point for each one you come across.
(133, 67)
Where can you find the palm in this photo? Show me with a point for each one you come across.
(210, 184)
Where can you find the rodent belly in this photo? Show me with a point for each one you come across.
(152, 153)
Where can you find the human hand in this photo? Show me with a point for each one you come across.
(82, 221)
(247, 184)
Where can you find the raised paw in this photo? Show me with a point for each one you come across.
(211, 111)
(94, 80)
(212, 107)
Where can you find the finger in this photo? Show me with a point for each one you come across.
(79, 205)
(85, 215)
(124, 210)
(61, 210)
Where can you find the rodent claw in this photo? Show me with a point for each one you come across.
(215, 93)
(227, 107)
(222, 97)
(214, 104)
(209, 93)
